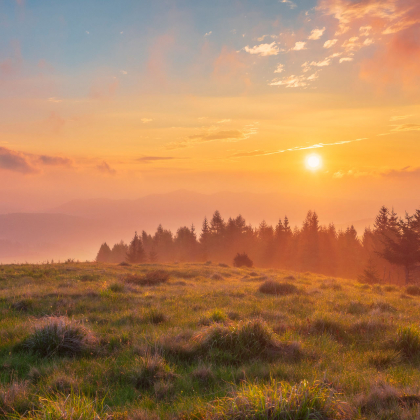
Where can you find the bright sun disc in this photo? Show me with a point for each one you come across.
(313, 162)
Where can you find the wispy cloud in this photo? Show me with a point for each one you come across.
(406, 127)
(227, 120)
(330, 43)
(323, 63)
(208, 33)
(294, 81)
(54, 161)
(106, 169)
(15, 162)
(346, 59)
(263, 50)
(292, 149)
(146, 120)
(316, 34)
(150, 159)
(299, 46)
(29, 163)
(290, 3)
(279, 68)
(214, 134)
(400, 117)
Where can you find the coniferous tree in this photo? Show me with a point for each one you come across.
(404, 248)
(104, 254)
(135, 253)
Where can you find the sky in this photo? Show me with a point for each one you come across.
(120, 99)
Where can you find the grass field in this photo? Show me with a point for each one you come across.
(94, 341)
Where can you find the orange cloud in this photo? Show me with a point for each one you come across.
(397, 62)
(106, 169)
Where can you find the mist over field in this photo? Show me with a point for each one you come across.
(210, 210)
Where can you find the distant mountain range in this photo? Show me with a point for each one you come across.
(77, 228)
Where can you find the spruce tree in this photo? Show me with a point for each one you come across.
(403, 246)
(135, 253)
(104, 254)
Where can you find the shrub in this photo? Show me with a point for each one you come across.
(151, 278)
(223, 265)
(239, 342)
(271, 287)
(408, 340)
(413, 290)
(281, 401)
(23, 305)
(242, 260)
(116, 287)
(155, 316)
(218, 315)
(59, 336)
(124, 264)
(150, 369)
(217, 276)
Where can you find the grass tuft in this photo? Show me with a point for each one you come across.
(239, 342)
(60, 336)
(155, 316)
(14, 398)
(281, 401)
(408, 340)
(150, 369)
(271, 287)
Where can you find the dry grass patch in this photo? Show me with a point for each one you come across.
(271, 287)
(281, 401)
(60, 336)
(151, 278)
(242, 341)
(149, 370)
(14, 399)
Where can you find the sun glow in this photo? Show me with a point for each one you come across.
(313, 162)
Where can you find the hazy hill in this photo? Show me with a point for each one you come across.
(77, 228)
(184, 207)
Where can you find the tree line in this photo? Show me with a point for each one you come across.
(388, 252)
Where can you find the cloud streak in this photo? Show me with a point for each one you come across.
(292, 149)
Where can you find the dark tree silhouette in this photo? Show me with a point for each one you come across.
(135, 253)
(403, 247)
(104, 254)
(242, 260)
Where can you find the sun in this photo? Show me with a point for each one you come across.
(313, 162)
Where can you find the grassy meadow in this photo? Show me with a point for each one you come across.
(204, 341)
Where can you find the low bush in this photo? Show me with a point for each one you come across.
(239, 342)
(242, 260)
(271, 287)
(150, 278)
(155, 316)
(59, 336)
(149, 370)
(413, 290)
(116, 287)
(281, 401)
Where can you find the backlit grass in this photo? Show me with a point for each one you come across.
(204, 341)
